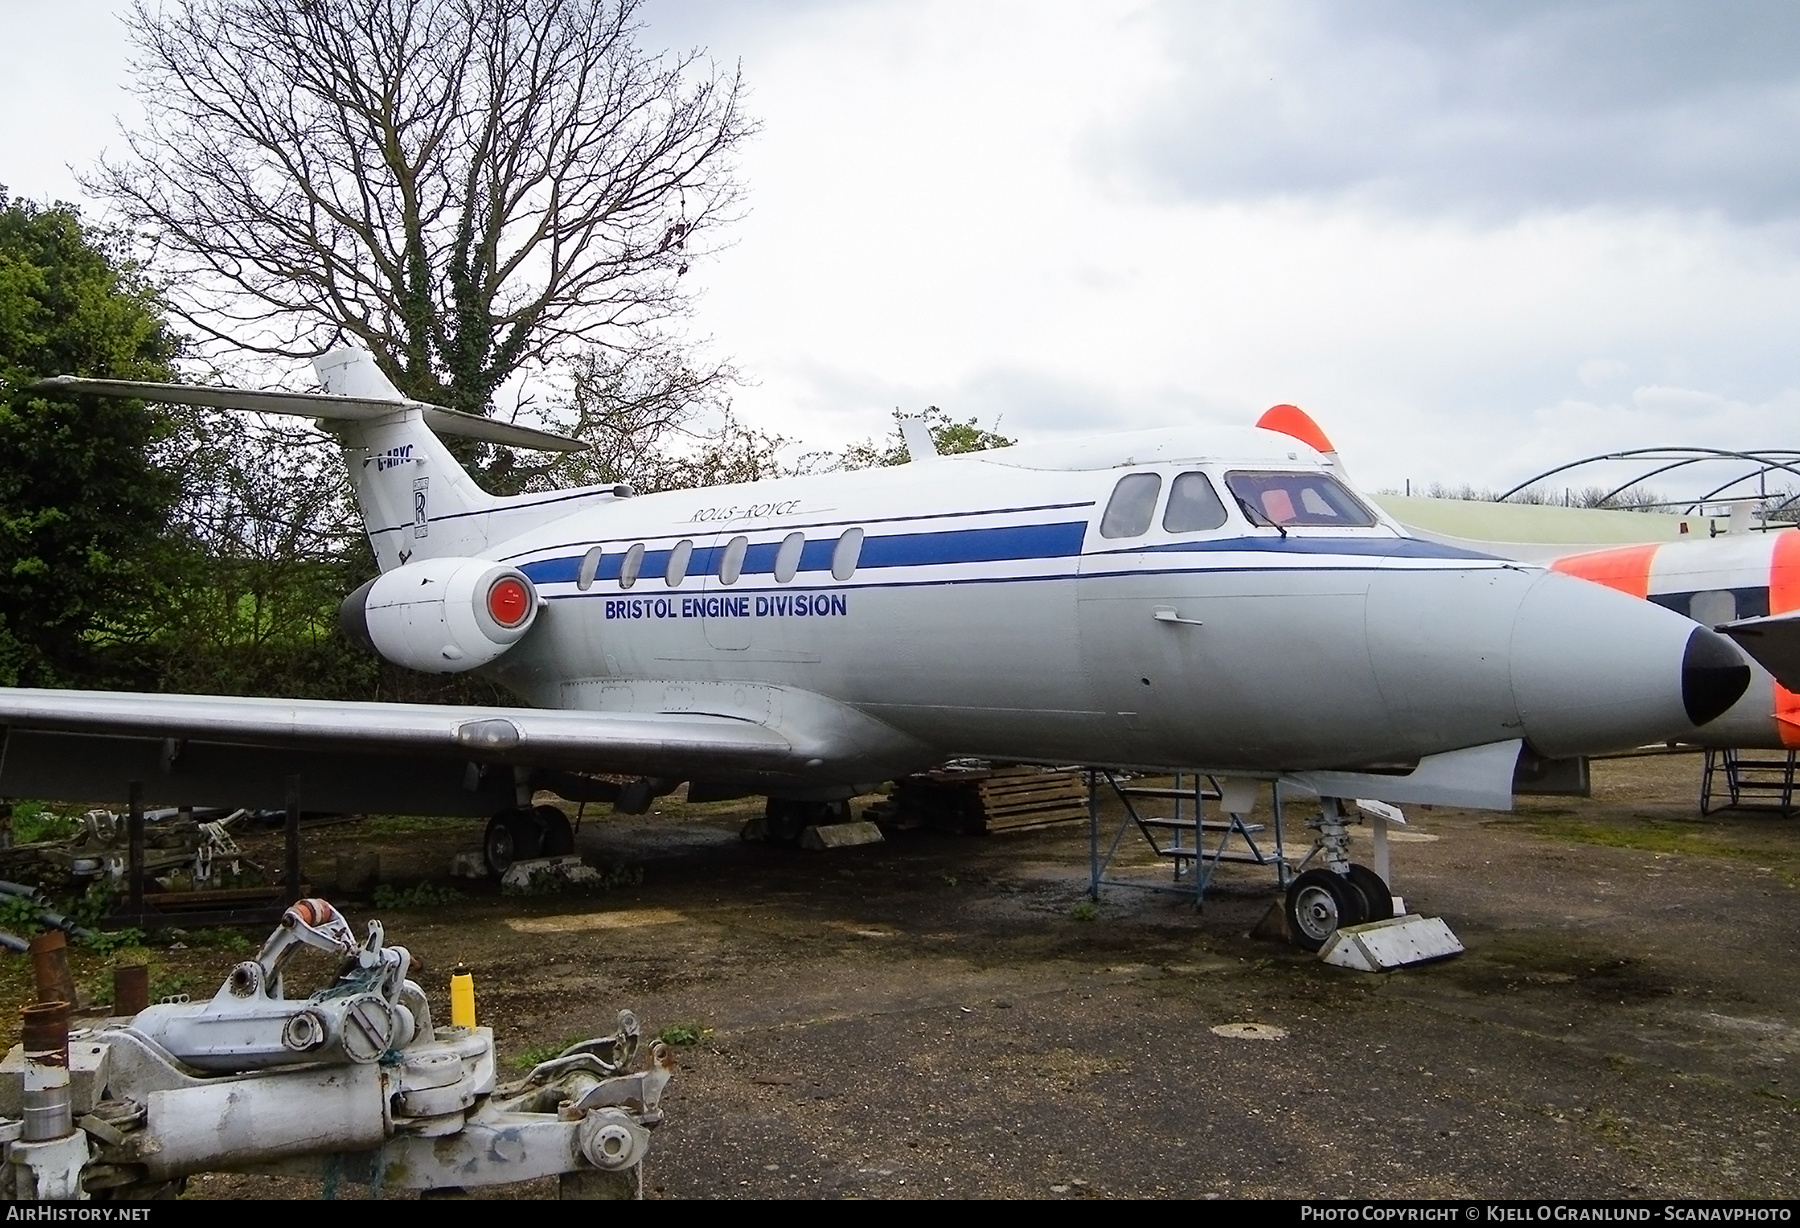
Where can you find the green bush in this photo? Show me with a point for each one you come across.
(423, 895)
(19, 915)
(36, 821)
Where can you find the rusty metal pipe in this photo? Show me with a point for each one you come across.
(131, 988)
(50, 967)
(45, 1033)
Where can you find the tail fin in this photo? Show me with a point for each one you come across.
(416, 500)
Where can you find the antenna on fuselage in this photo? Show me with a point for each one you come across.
(919, 444)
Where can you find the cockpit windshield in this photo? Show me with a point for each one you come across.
(1298, 499)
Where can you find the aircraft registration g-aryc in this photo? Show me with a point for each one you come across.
(1193, 598)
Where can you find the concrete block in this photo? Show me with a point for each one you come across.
(520, 874)
(840, 835)
(1393, 943)
(88, 1071)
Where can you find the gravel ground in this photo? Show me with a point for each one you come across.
(936, 1016)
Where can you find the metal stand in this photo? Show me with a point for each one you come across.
(1192, 862)
(266, 907)
(1733, 781)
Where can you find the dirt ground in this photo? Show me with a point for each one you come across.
(938, 1016)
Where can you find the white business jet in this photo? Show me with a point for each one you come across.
(1191, 598)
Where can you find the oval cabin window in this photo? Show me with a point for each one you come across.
(590, 565)
(630, 565)
(845, 554)
(787, 559)
(676, 571)
(732, 565)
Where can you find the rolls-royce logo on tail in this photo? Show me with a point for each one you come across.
(421, 525)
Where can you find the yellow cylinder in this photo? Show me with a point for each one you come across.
(462, 998)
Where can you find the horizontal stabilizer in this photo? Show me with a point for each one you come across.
(316, 405)
(1774, 641)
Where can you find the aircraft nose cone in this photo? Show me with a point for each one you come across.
(1595, 670)
(1713, 675)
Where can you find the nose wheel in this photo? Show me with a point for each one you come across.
(1321, 902)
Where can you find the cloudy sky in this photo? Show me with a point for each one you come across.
(1473, 240)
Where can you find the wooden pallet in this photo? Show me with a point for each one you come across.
(980, 801)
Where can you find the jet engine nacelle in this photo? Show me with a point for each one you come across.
(442, 616)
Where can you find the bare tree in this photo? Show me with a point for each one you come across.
(465, 187)
(655, 422)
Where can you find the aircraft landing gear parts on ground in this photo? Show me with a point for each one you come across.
(520, 835)
(785, 818)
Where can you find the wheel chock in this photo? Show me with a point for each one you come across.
(1394, 943)
(840, 835)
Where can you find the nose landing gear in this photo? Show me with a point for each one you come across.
(1341, 893)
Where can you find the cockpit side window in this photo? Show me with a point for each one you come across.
(1193, 505)
(1132, 505)
(1299, 498)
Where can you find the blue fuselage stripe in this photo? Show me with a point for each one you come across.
(1004, 544)
(1016, 542)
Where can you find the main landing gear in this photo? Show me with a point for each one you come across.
(523, 833)
(786, 817)
(1321, 901)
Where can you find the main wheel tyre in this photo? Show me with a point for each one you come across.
(1318, 903)
(558, 836)
(786, 819)
(497, 846)
(1375, 892)
(512, 836)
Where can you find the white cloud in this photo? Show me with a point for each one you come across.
(1463, 236)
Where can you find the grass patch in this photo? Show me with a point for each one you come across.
(1646, 834)
(1084, 910)
(537, 1055)
(681, 1035)
(408, 825)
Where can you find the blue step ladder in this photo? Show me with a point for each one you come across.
(1194, 845)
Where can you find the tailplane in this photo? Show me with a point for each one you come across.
(416, 499)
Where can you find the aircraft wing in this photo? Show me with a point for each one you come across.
(1774, 640)
(315, 405)
(376, 757)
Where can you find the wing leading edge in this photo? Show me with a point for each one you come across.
(82, 745)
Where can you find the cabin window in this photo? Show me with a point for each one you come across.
(631, 565)
(676, 571)
(590, 563)
(846, 553)
(787, 559)
(732, 565)
(1307, 499)
(1132, 505)
(1193, 505)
